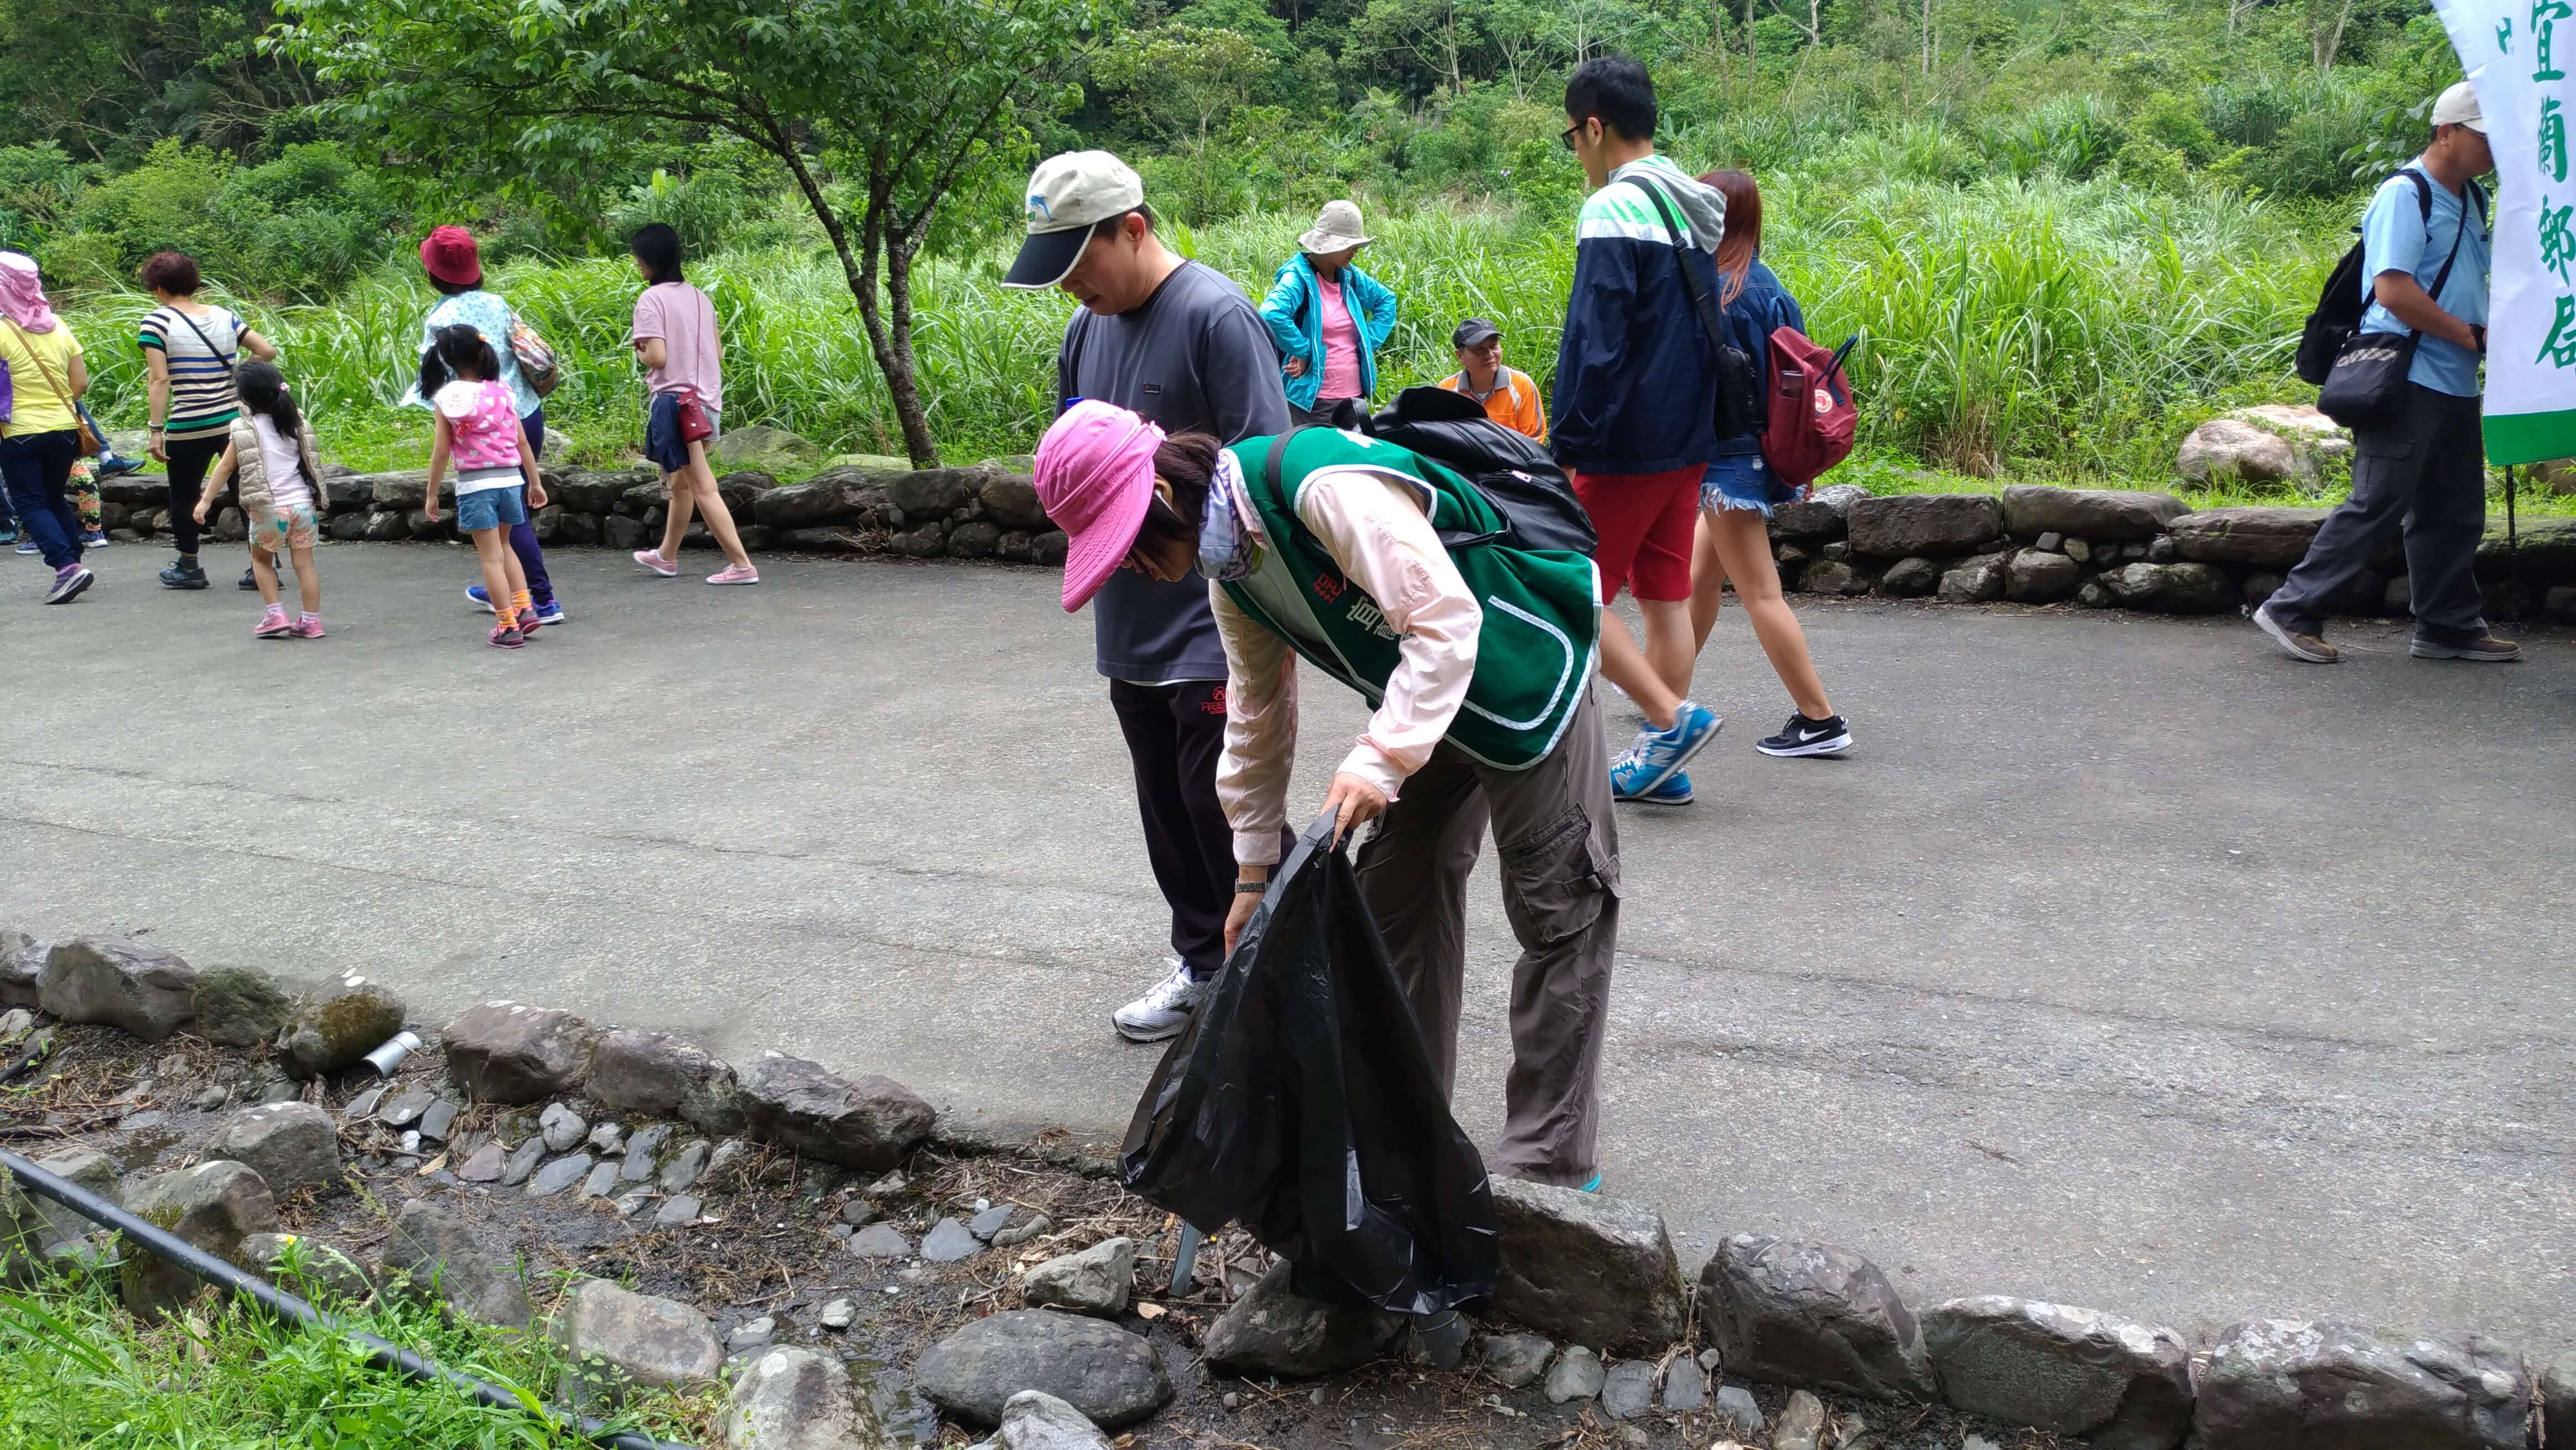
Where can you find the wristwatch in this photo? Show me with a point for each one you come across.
(1251, 888)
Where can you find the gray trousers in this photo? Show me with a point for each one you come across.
(1560, 869)
(2427, 473)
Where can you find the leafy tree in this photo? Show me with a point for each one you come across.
(1184, 81)
(877, 109)
(106, 78)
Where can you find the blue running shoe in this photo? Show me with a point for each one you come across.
(551, 612)
(1660, 753)
(28, 546)
(475, 596)
(1627, 783)
(1592, 1187)
(8, 533)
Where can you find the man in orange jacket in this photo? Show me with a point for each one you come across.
(1510, 398)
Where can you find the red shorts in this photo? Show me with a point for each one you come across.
(1646, 522)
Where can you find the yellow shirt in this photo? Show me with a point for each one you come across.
(1513, 403)
(38, 407)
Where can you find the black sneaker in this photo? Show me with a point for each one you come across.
(184, 573)
(250, 579)
(1802, 736)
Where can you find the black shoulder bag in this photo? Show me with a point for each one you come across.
(2367, 388)
(1738, 408)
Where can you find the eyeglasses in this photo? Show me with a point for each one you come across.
(1567, 135)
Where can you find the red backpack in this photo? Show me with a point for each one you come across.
(1809, 405)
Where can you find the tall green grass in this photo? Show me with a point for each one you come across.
(2009, 327)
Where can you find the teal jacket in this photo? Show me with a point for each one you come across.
(1295, 312)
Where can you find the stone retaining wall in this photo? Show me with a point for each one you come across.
(2032, 544)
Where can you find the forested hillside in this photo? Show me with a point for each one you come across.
(2066, 231)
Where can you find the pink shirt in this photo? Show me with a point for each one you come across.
(1375, 527)
(1341, 344)
(692, 357)
(485, 423)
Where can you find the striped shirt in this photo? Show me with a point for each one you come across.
(202, 403)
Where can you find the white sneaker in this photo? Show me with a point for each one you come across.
(1164, 1011)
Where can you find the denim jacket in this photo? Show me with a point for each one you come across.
(1295, 312)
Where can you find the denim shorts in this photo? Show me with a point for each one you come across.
(1743, 481)
(491, 508)
(664, 448)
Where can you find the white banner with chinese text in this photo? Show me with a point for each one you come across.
(2519, 54)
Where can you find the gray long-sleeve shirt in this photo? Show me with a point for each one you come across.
(1193, 357)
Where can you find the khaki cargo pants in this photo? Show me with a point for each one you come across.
(1560, 869)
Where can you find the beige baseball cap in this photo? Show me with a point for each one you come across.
(1067, 195)
(2458, 106)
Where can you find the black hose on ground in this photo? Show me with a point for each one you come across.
(382, 1353)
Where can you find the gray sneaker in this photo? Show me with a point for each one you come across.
(2489, 649)
(1162, 1012)
(2298, 646)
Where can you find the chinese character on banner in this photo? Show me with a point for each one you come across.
(2526, 99)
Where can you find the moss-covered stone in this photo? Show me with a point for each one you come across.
(338, 1024)
(240, 1006)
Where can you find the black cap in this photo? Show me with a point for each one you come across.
(1473, 332)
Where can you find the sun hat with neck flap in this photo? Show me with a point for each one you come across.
(450, 255)
(1095, 478)
(22, 294)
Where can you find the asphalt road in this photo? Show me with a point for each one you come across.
(2125, 963)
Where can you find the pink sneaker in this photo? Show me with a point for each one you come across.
(652, 559)
(735, 574)
(308, 628)
(273, 625)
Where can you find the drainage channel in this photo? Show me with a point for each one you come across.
(382, 1353)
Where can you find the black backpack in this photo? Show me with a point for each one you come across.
(1510, 469)
(2340, 305)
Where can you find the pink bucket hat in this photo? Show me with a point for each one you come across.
(1095, 478)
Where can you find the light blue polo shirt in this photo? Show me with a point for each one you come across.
(2396, 238)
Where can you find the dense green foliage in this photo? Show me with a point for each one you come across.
(2067, 232)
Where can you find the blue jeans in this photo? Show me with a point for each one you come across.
(523, 535)
(35, 467)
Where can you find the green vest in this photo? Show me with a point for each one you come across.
(1542, 627)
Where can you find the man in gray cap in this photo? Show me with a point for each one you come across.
(1177, 343)
(2424, 247)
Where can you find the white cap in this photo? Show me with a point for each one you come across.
(2458, 106)
(1067, 195)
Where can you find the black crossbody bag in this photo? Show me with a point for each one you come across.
(2367, 388)
(1737, 409)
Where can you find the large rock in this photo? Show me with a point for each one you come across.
(2231, 448)
(2114, 515)
(1517, 1360)
(289, 1145)
(835, 493)
(452, 1262)
(2558, 1382)
(2119, 1385)
(34, 1230)
(1910, 578)
(147, 992)
(239, 1007)
(337, 1024)
(1835, 576)
(867, 1123)
(22, 962)
(214, 1206)
(1113, 1377)
(2544, 555)
(618, 1341)
(1924, 523)
(1036, 1420)
(317, 1272)
(2172, 588)
(1587, 1268)
(1812, 1314)
(659, 1075)
(508, 1052)
(404, 490)
(2281, 1384)
(596, 493)
(2256, 534)
(762, 446)
(2032, 577)
(934, 493)
(1273, 1329)
(1977, 580)
(1011, 500)
(1095, 1281)
(795, 1399)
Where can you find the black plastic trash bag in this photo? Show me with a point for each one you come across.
(1301, 1103)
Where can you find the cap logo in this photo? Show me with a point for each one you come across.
(1038, 210)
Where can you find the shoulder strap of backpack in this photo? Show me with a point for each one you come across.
(1278, 451)
(1681, 246)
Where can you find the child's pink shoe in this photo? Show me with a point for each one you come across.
(273, 625)
(735, 574)
(652, 559)
(309, 627)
